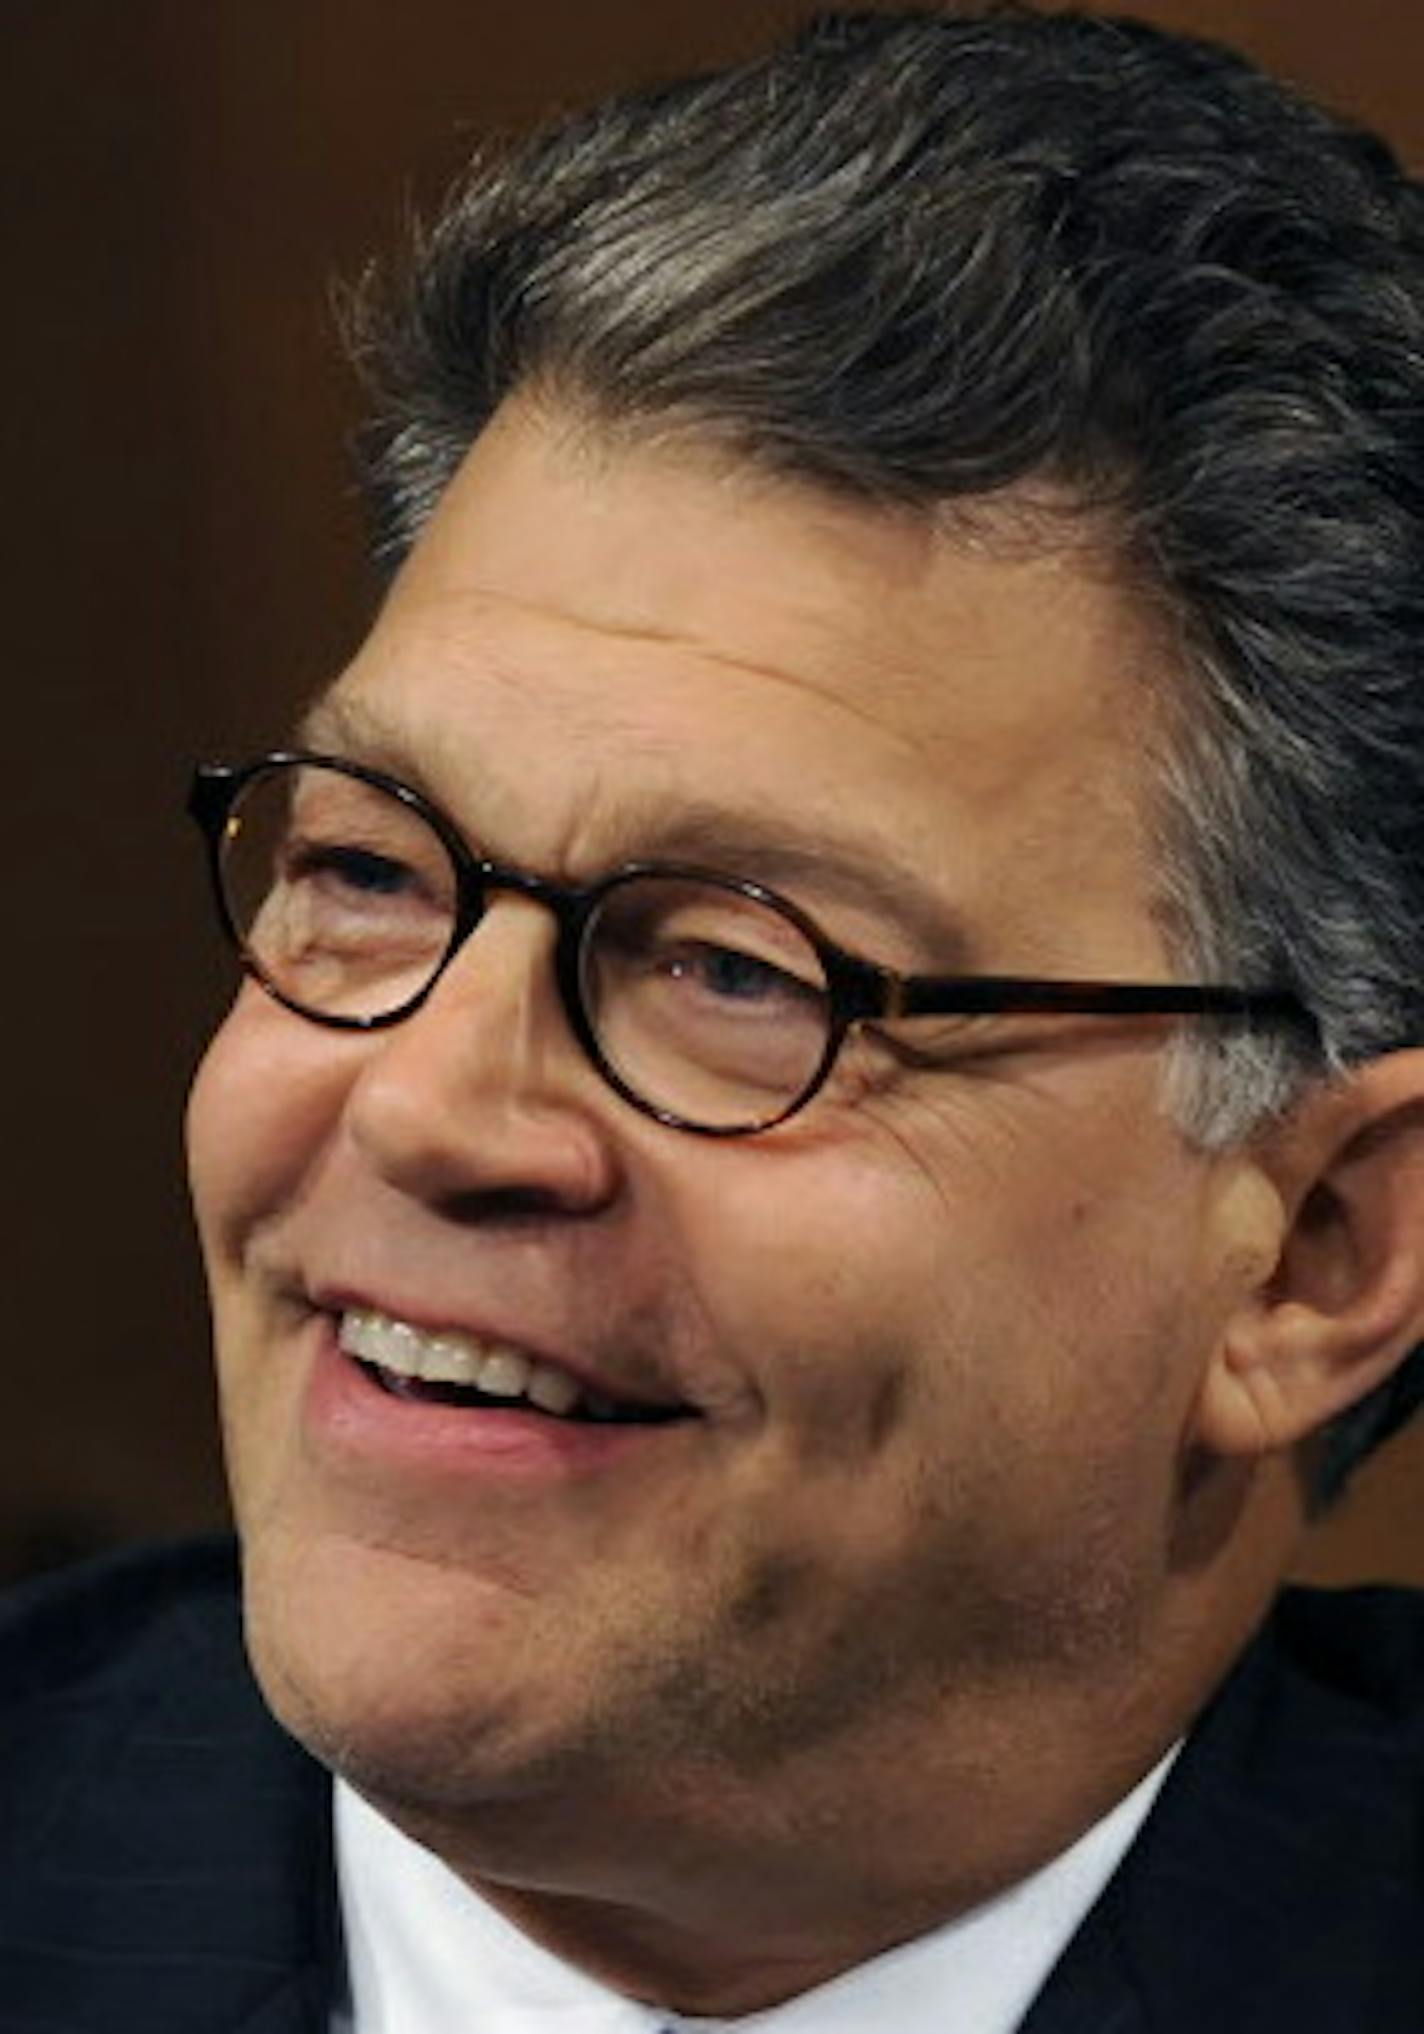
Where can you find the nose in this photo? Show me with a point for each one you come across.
(482, 1097)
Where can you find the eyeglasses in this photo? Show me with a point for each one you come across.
(709, 1003)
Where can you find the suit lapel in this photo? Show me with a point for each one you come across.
(175, 1870)
(1276, 1882)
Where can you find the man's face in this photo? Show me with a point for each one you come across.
(935, 1343)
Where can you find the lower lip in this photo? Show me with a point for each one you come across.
(351, 1419)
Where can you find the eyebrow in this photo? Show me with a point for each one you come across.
(831, 862)
(838, 863)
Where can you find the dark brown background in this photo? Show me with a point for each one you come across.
(185, 178)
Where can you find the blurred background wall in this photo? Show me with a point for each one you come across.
(183, 565)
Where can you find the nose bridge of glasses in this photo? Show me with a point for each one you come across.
(541, 947)
(482, 882)
(563, 900)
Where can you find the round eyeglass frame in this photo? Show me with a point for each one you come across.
(857, 990)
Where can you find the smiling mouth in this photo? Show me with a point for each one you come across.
(455, 1369)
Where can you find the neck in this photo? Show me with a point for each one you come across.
(726, 1898)
(714, 1892)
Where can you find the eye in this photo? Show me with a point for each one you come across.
(356, 869)
(731, 976)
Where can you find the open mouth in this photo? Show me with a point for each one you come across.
(455, 1369)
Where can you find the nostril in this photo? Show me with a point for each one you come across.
(507, 1205)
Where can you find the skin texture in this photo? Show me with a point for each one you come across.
(990, 1472)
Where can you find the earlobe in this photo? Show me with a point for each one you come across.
(1343, 1303)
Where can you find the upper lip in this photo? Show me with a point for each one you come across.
(592, 1378)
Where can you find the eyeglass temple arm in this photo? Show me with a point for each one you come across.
(988, 995)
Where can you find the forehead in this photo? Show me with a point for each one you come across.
(596, 637)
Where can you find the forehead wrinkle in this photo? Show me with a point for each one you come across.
(463, 603)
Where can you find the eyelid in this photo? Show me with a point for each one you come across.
(860, 908)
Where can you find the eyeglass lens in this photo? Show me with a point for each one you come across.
(707, 1004)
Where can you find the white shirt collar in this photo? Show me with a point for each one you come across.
(428, 1956)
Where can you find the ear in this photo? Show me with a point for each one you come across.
(1343, 1303)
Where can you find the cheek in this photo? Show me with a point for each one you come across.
(263, 1106)
(985, 1301)
(827, 1285)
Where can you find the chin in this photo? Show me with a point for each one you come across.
(392, 1669)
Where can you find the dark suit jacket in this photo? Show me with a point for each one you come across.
(165, 1860)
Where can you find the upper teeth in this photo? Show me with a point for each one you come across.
(454, 1358)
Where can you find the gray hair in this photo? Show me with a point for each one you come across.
(929, 259)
